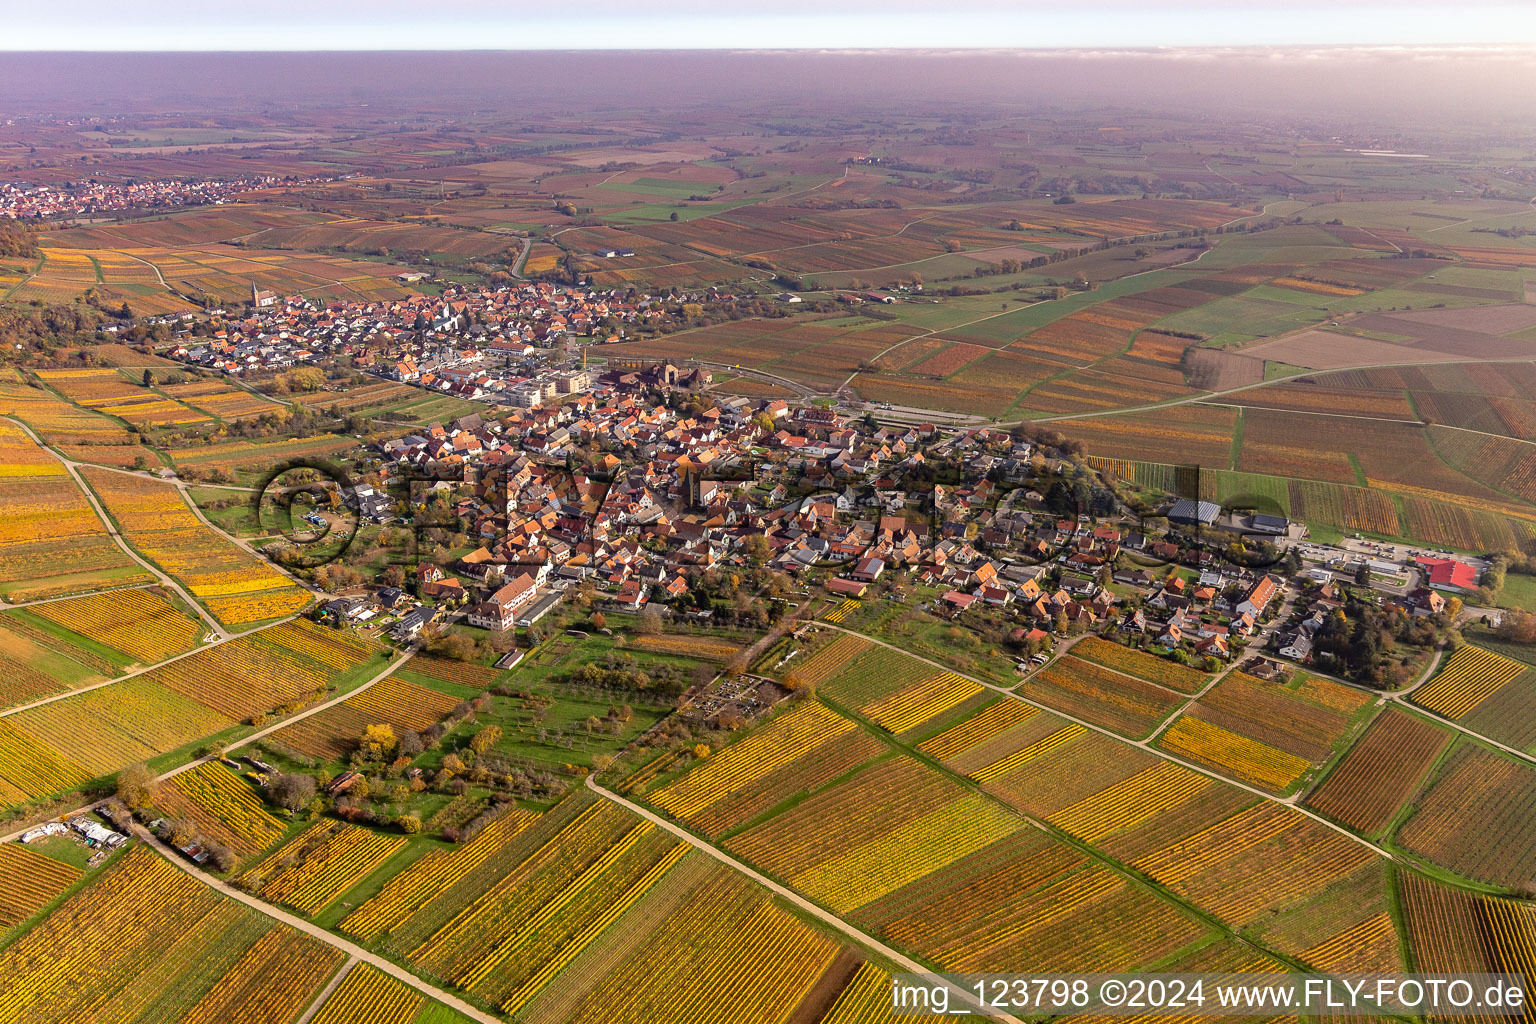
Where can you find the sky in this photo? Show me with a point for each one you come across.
(147, 25)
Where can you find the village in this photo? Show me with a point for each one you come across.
(638, 489)
(90, 196)
(511, 345)
(636, 483)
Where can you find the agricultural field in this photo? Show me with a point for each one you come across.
(1181, 435)
(260, 672)
(1029, 903)
(1451, 930)
(64, 744)
(1468, 678)
(30, 881)
(1380, 773)
(898, 822)
(110, 393)
(141, 623)
(102, 730)
(253, 460)
(1459, 525)
(128, 274)
(1475, 818)
(892, 689)
(36, 662)
(427, 879)
(543, 914)
(798, 751)
(319, 864)
(145, 942)
(59, 421)
(367, 994)
(1105, 697)
(986, 725)
(1140, 664)
(223, 806)
(52, 542)
(1242, 757)
(838, 651)
(1226, 850)
(819, 354)
(683, 645)
(335, 732)
(237, 587)
(220, 399)
(1267, 734)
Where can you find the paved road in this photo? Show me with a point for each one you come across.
(517, 272)
(790, 895)
(351, 949)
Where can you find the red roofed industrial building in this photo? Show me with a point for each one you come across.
(1449, 574)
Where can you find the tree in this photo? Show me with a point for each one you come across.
(701, 750)
(674, 215)
(293, 791)
(149, 378)
(394, 576)
(650, 622)
(455, 646)
(222, 857)
(378, 742)
(1517, 627)
(410, 824)
(599, 621)
(410, 744)
(136, 786)
(794, 682)
(485, 739)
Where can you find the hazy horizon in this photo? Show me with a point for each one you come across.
(302, 25)
(1469, 85)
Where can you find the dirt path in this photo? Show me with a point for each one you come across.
(325, 993)
(352, 950)
(800, 902)
(7, 605)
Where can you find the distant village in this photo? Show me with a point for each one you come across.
(481, 344)
(89, 196)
